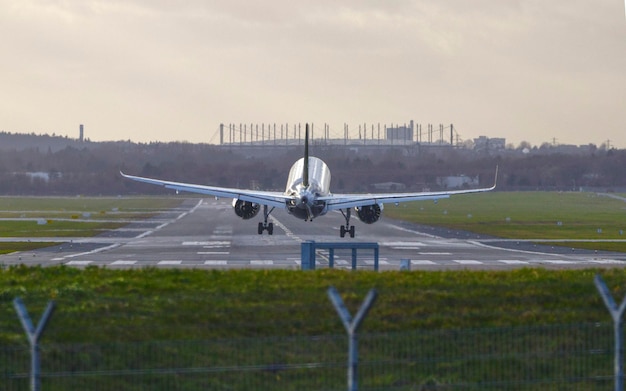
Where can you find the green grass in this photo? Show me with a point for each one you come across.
(10, 247)
(527, 215)
(98, 304)
(231, 327)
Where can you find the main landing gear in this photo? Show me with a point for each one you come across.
(265, 225)
(346, 229)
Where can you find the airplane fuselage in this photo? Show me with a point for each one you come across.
(305, 204)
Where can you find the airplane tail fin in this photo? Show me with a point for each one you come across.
(305, 173)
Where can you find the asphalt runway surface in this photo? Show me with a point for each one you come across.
(206, 234)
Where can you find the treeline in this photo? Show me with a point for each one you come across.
(93, 169)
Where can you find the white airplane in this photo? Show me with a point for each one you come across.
(307, 195)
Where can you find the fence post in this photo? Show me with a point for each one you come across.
(352, 327)
(616, 314)
(307, 255)
(33, 337)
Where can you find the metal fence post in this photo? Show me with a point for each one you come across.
(352, 327)
(616, 314)
(33, 338)
(307, 255)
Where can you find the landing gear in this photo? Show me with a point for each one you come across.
(346, 229)
(265, 225)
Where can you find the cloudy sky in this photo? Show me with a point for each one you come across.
(164, 70)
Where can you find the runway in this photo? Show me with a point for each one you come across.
(206, 234)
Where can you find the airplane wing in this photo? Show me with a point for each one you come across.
(268, 198)
(344, 201)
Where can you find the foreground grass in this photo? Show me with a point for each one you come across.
(585, 217)
(98, 305)
(257, 329)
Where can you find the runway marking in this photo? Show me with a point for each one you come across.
(169, 262)
(380, 262)
(213, 252)
(58, 259)
(607, 261)
(197, 243)
(402, 244)
(223, 231)
(288, 232)
(405, 248)
(513, 262)
(123, 262)
(557, 262)
(431, 253)
(215, 263)
(467, 262)
(422, 262)
(218, 243)
(261, 262)
(78, 263)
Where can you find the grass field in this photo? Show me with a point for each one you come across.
(583, 217)
(131, 318)
(97, 304)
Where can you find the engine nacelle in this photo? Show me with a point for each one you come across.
(245, 209)
(369, 214)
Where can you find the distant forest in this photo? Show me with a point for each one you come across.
(52, 165)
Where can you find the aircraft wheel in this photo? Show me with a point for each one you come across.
(270, 228)
(342, 231)
(352, 231)
(260, 229)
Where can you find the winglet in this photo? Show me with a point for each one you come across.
(305, 173)
(495, 181)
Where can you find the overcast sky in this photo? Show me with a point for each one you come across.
(164, 70)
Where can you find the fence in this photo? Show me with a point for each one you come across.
(563, 357)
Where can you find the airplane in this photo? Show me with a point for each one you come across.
(307, 196)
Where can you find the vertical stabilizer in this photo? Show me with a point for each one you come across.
(305, 171)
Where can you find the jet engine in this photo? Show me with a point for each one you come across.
(245, 209)
(369, 214)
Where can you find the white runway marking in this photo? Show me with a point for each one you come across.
(558, 262)
(422, 262)
(261, 262)
(513, 262)
(216, 263)
(123, 262)
(78, 263)
(431, 253)
(170, 262)
(380, 262)
(402, 244)
(467, 262)
(608, 261)
(213, 252)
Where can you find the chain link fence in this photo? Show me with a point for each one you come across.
(563, 357)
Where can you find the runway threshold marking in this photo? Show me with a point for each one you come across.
(422, 262)
(467, 262)
(216, 262)
(513, 262)
(261, 262)
(78, 263)
(608, 261)
(170, 263)
(123, 262)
